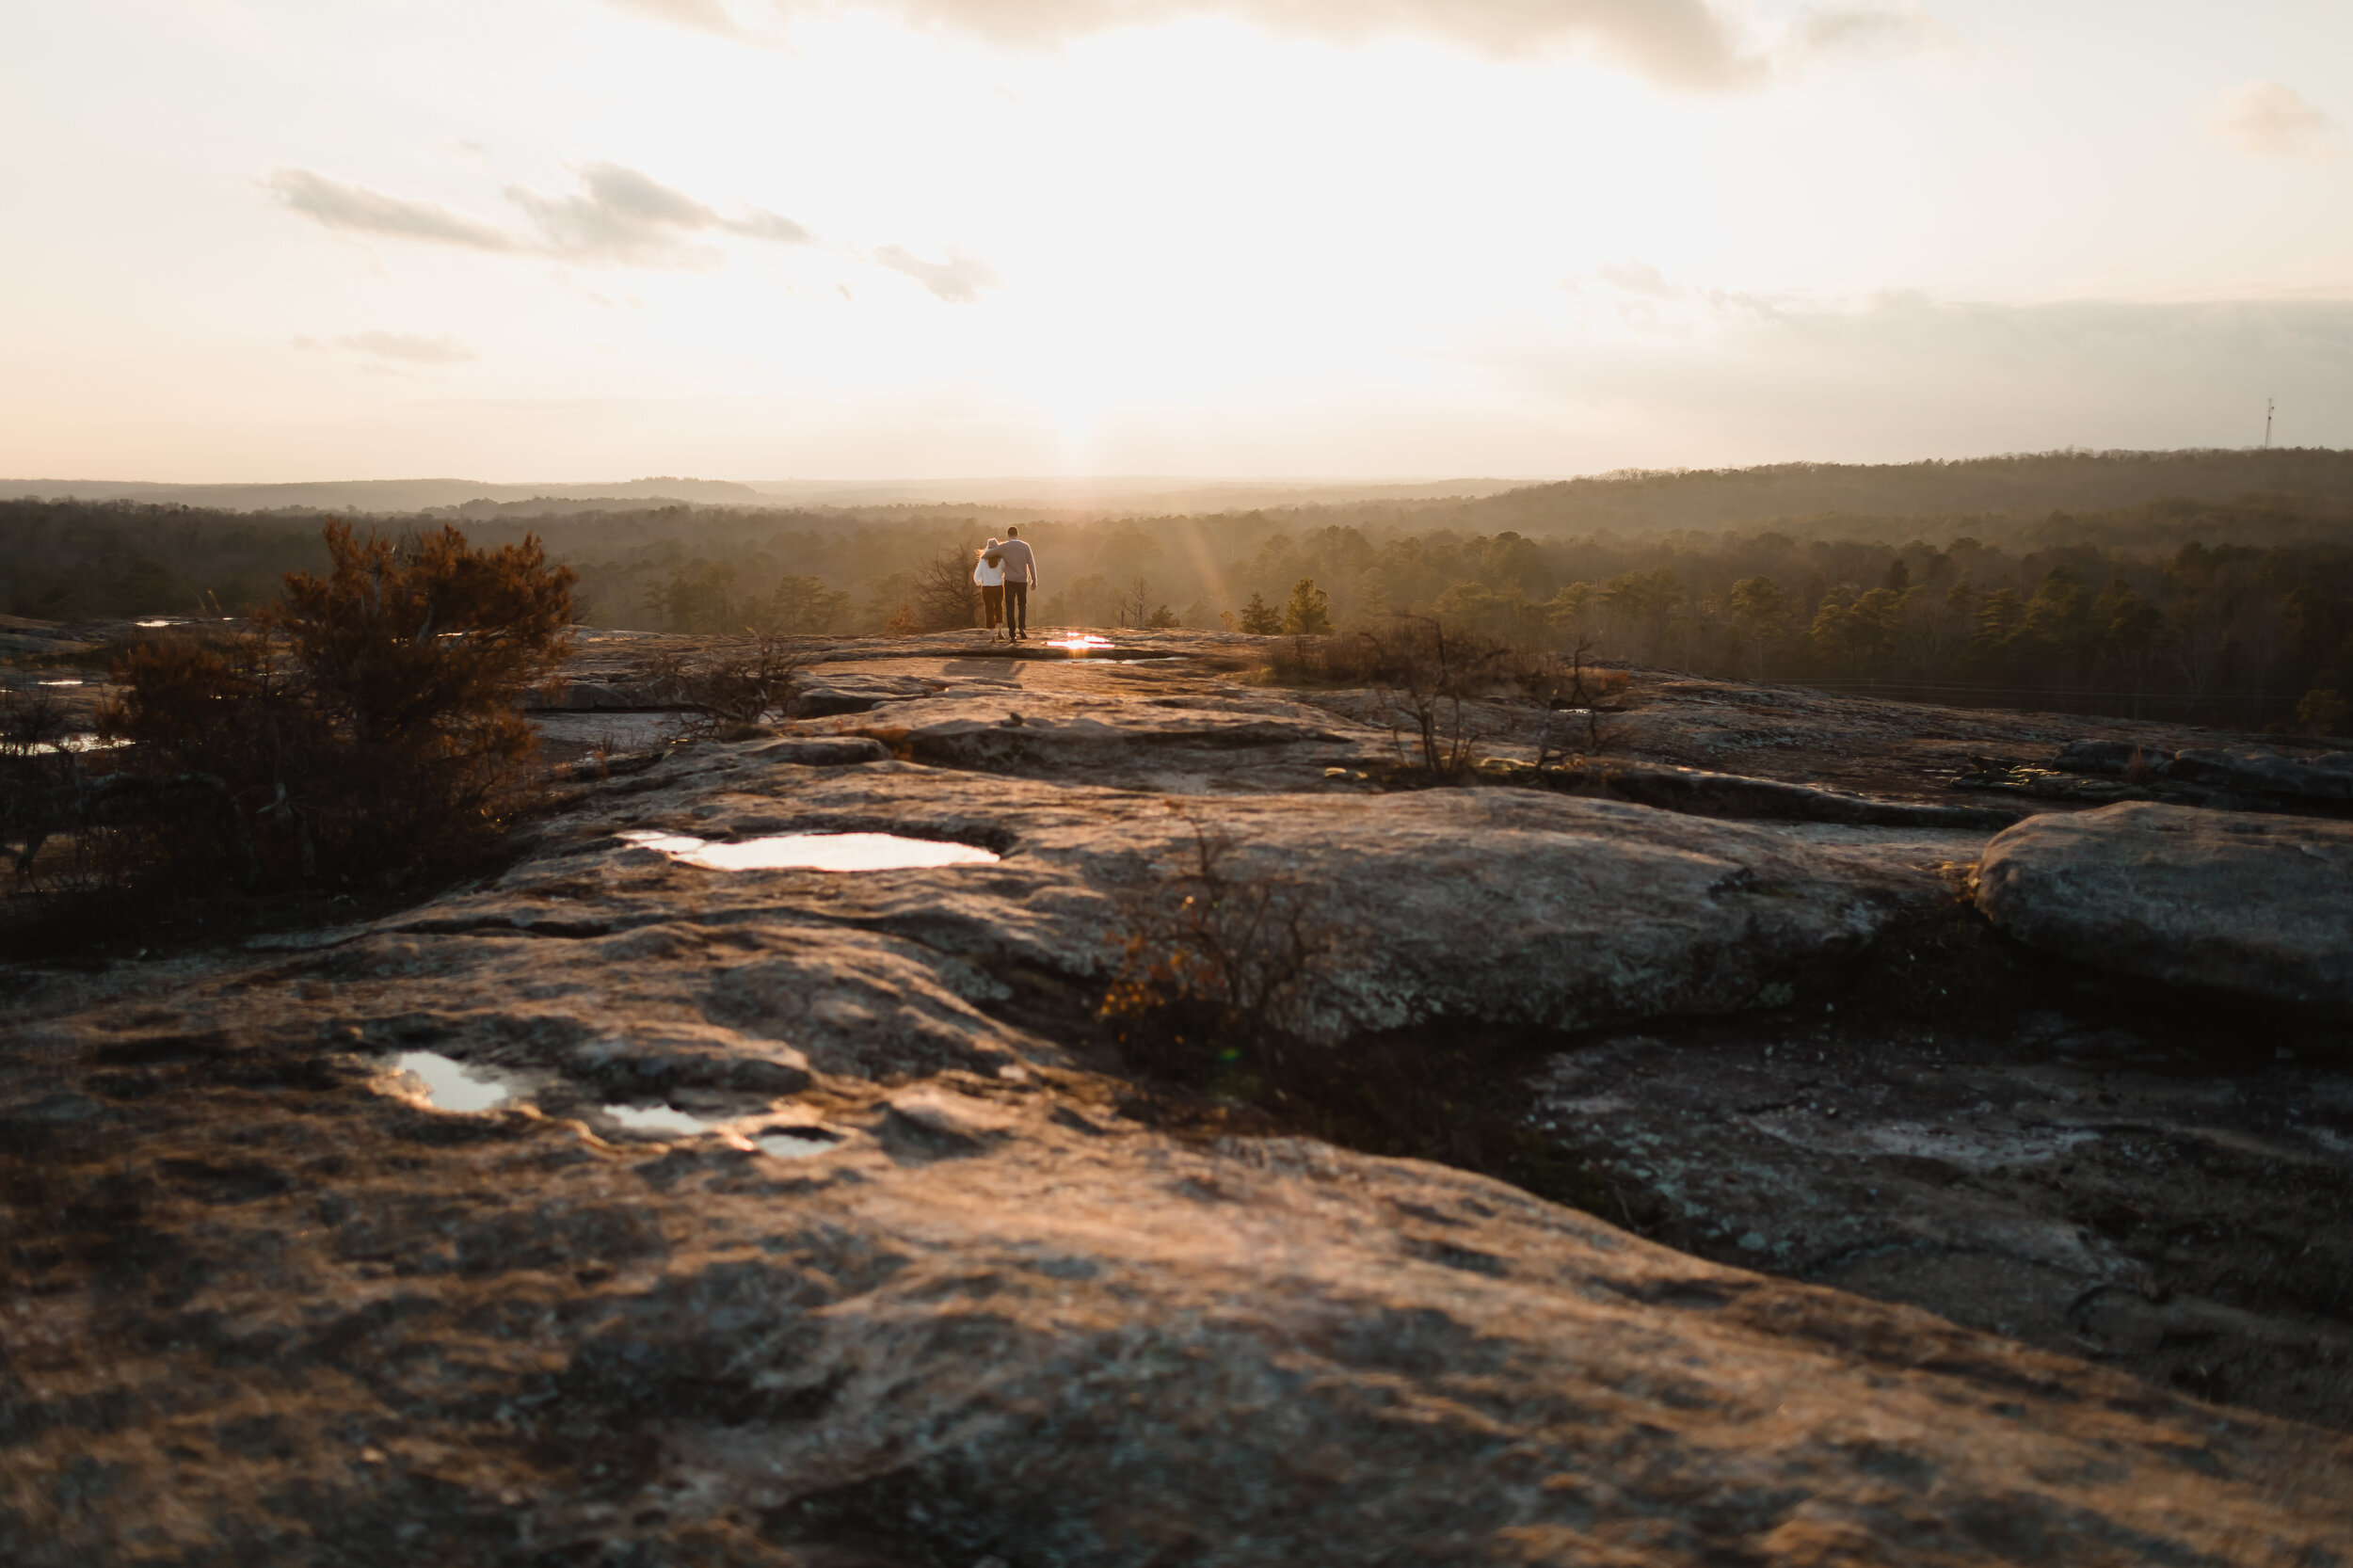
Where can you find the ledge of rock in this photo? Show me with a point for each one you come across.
(978, 1320)
(622, 1210)
(2257, 905)
(1700, 793)
(824, 753)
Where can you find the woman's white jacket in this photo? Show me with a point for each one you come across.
(986, 575)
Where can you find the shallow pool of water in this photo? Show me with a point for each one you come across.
(451, 1085)
(84, 742)
(817, 852)
(660, 1118)
(785, 1143)
(792, 1146)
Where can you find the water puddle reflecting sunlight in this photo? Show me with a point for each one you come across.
(451, 1085)
(784, 1142)
(817, 852)
(79, 743)
(660, 1118)
(1080, 642)
(792, 1146)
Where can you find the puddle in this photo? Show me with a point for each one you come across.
(660, 1118)
(161, 621)
(792, 1146)
(451, 1085)
(816, 852)
(71, 682)
(1078, 642)
(78, 743)
(783, 1143)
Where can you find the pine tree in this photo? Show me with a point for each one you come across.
(1309, 613)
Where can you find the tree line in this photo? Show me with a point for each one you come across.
(2235, 612)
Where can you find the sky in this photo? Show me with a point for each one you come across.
(279, 240)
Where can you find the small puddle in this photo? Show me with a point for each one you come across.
(816, 852)
(1080, 642)
(783, 1143)
(792, 1146)
(451, 1085)
(660, 1118)
(79, 743)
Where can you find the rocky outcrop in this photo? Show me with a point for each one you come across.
(2230, 779)
(1499, 907)
(1704, 792)
(814, 1222)
(2261, 905)
(269, 1310)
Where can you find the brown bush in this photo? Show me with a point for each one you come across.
(38, 797)
(946, 598)
(1429, 669)
(733, 688)
(366, 727)
(1216, 967)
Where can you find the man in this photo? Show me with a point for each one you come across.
(1020, 565)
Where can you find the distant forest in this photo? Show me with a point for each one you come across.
(2211, 588)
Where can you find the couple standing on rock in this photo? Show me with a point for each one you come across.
(1006, 573)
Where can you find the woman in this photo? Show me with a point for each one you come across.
(989, 573)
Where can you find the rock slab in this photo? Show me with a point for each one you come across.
(2260, 905)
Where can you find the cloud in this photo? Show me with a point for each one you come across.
(1902, 372)
(363, 211)
(959, 281)
(2272, 120)
(620, 216)
(1634, 276)
(408, 347)
(1884, 30)
(1702, 45)
(708, 16)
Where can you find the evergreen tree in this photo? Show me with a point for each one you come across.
(1308, 612)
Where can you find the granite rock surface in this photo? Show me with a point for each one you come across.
(2253, 903)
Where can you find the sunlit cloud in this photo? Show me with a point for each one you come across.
(1689, 44)
(409, 346)
(620, 216)
(1866, 29)
(626, 217)
(1634, 276)
(2272, 120)
(709, 16)
(358, 210)
(958, 280)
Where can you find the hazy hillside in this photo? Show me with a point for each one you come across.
(378, 495)
(2024, 485)
(2210, 587)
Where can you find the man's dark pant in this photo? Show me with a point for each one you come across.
(1017, 609)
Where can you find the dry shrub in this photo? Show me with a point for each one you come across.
(39, 797)
(366, 727)
(1212, 995)
(731, 689)
(1216, 965)
(1424, 650)
(1428, 670)
(946, 598)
